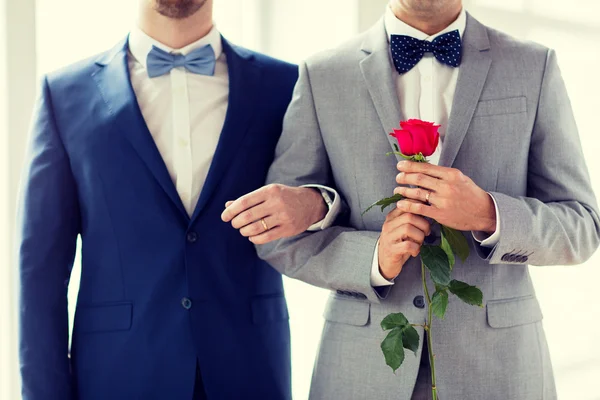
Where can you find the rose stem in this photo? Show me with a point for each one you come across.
(428, 333)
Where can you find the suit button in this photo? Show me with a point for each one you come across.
(186, 303)
(525, 259)
(512, 258)
(192, 237)
(419, 302)
(361, 296)
(505, 257)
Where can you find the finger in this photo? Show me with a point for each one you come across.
(253, 214)
(407, 218)
(257, 228)
(425, 168)
(243, 203)
(418, 179)
(228, 204)
(395, 213)
(417, 208)
(269, 236)
(408, 232)
(419, 194)
(407, 247)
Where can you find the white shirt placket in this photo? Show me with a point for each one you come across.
(182, 149)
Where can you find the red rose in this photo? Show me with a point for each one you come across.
(416, 137)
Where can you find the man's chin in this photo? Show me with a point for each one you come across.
(178, 9)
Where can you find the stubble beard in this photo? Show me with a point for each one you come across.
(429, 7)
(178, 9)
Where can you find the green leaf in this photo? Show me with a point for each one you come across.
(467, 293)
(457, 241)
(439, 303)
(393, 349)
(436, 261)
(384, 203)
(445, 245)
(410, 339)
(439, 288)
(392, 321)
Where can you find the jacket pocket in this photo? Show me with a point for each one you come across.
(347, 311)
(104, 318)
(512, 105)
(269, 309)
(507, 313)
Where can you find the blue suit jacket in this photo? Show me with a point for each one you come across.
(159, 290)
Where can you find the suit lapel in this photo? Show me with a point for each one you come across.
(114, 83)
(379, 73)
(473, 72)
(244, 81)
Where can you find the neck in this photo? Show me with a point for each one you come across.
(175, 33)
(430, 21)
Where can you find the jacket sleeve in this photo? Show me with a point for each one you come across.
(557, 223)
(48, 223)
(336, 258)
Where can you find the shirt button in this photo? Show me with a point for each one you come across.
(192, 237)
(427, 78)
(419, 302)
(186, 303)
(182, 142)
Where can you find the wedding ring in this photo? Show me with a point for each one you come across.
(427, 198)
(264, 224)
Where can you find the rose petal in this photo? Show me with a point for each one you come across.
(405, 141)
(420, 139)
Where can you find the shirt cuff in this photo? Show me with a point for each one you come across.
(484, 238)
(377, 280)
(334, 209)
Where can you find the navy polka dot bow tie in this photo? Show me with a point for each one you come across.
(407, 51)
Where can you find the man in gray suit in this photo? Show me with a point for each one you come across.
(510, 170)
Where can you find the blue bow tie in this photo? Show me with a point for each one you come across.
(407, 51)
(200, 61)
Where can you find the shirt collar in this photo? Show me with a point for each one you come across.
(140, 44)
(394, 26)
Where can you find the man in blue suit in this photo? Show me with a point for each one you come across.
(138, 150)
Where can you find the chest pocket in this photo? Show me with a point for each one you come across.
(512, 105)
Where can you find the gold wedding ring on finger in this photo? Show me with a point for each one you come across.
(427, 198)
(264, 224)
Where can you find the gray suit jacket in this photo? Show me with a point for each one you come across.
(512, 131)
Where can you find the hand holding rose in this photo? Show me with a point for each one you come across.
(401, 237)
(447, 195)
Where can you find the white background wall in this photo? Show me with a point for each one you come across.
(68, 30)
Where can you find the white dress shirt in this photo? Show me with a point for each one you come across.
(185, 114)
(426, 92)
